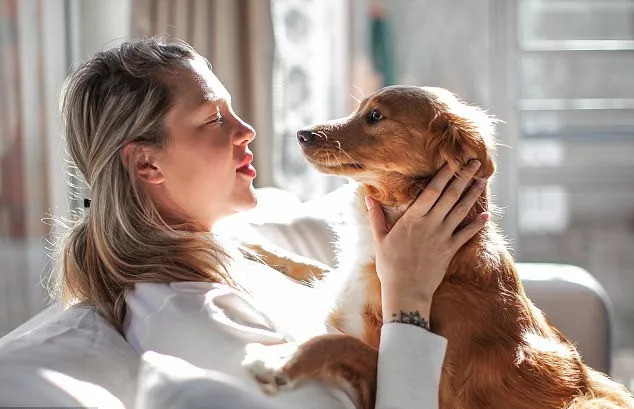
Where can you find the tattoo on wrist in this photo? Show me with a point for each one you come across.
(413, 318)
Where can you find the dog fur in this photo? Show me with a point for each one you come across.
(502, 352)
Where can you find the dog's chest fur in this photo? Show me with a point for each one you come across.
(355, 281)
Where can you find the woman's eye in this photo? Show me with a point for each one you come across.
(216, 119)
(374, 116)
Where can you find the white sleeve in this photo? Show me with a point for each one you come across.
(197, 333)
(410, 362)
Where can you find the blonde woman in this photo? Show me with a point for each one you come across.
(152, 131)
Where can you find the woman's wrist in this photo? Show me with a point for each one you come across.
(407, 311)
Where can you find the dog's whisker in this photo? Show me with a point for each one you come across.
(352, 161)
(328, 158)
(338, 162)
(350, 157)
(319, 152)
(338, 143)
(359, 90)
(345, 153)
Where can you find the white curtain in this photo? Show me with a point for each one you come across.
(33, 64)
(310, 84)
(39, 41)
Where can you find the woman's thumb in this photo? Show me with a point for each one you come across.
(377, 218)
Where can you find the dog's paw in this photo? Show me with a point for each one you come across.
(267, 362)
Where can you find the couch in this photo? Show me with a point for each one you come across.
(74, 358)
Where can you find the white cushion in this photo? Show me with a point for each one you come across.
(302, 228)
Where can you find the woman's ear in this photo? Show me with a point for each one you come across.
(457, 140)
(142, 160)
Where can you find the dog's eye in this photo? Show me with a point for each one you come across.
(374, 116)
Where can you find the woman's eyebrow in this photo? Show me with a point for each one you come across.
(215, 101)
(208, 105)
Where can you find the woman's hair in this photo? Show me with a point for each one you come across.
(119, 96)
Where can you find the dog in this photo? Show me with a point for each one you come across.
(502, 352)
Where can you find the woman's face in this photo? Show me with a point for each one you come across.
(206, 163)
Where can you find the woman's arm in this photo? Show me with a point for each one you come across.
(409, 367)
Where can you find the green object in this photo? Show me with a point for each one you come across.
(382, 59)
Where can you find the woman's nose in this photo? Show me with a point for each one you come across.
(245, 133)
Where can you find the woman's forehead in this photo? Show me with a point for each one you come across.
(199, 85)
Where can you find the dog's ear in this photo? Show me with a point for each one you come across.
(457, 139)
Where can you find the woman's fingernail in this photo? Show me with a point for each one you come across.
(368, 202)
(486, 216)
(474, 164)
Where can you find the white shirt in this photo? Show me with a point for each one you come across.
(209, 325)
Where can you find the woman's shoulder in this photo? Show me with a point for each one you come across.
(184, 297)
(148, 298)
(196, 307)
(165, 289)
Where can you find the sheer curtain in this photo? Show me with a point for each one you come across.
(39, 41)
(310, 84)
(33, 63)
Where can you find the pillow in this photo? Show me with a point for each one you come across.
(281, 219)
(74, 359)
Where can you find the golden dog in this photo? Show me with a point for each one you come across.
(502, 352)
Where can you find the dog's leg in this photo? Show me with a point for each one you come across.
(342, 360)
(293, 265)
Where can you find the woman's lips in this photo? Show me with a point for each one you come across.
(245, 166)
(248, 170)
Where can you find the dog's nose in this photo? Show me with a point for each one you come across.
(305, 136)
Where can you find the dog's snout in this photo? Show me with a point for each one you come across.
(305, 136)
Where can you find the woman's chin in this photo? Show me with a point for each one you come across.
(247, 201)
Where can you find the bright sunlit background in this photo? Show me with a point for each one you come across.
(560, 73)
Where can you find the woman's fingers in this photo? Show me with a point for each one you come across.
(466, 233)
(450, 197)
(377, 219)
(428, 197)
(460, 211)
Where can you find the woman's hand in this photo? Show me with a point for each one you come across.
(413, 256)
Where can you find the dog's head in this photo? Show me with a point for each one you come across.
(398, 138)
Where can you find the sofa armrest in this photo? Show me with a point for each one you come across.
(576, 304)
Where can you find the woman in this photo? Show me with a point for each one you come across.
(152, 131)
